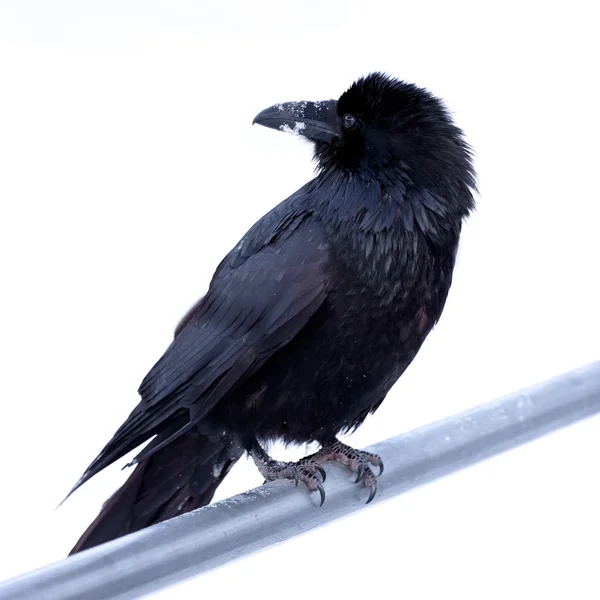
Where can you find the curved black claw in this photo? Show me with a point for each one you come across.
(311, 480)
(321, 491)
(373, 459)
(322, 473)
(373, 492)
(361, 473)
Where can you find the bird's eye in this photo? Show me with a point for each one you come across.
(349, 121)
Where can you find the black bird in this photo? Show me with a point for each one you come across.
(312, 317)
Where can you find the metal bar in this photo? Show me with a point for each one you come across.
(191, 544)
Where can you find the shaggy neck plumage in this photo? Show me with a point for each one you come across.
(370, 204)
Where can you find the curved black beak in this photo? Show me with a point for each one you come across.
(317, 121)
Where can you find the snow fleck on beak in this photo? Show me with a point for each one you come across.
(297, 130)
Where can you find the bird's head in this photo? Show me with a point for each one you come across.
(378, 126)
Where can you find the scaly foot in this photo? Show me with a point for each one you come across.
(358, 461)
(304, 470)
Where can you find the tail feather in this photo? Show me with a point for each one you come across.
(175, 479)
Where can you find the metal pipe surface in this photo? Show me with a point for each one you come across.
(191, 544)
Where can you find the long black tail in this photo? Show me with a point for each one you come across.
(176, 479)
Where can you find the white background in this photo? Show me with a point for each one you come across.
(129, 167)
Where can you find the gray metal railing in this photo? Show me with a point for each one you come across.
(191, 544)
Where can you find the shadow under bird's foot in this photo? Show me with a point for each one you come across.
(358, 461)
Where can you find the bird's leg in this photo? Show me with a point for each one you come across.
(304, 470)
(358, 461)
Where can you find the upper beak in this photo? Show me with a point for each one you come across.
(316, 121)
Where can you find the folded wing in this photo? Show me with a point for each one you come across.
(261, 296)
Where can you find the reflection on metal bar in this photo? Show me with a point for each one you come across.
(191, 544)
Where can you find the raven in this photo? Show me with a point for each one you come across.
(312, 317)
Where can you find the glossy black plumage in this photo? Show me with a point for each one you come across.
(315, 314)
